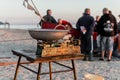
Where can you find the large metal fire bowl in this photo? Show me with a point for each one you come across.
(47, 34)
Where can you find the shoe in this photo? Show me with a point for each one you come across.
(109, 60)
(90, 57)
(102, 59)
(90, 60)
(85, 58)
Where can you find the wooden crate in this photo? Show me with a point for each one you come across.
(63, 50)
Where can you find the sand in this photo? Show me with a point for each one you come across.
(20, 39)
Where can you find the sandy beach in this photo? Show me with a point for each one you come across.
(20, 39)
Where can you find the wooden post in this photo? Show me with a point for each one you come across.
(18, 64)
(74, 70)
(50, 70)
(39, 70)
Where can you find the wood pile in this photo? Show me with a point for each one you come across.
(63, 49)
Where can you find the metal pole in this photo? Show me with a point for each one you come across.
(36, 8)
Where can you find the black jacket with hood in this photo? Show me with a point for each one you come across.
(102, 25)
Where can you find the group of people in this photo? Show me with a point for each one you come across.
(105, 26)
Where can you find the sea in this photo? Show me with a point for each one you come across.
(26, 27)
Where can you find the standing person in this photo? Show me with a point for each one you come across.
(119, 25)
(48, 17)
(119, 34)
(85, 24)
(115, 21)
(107, 30)
(96, 36)
(116, 41)
(96, 22)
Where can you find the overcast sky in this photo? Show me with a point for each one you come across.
(14, 12)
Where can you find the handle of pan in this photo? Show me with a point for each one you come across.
(60, 26)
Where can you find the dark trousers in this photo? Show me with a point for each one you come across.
(115, 50)
(87, 45)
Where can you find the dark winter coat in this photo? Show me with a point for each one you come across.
(103, 25)
(88, 22)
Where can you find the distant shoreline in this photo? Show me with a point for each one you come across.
(20, 26)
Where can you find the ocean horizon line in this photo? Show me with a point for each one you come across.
(23, 26)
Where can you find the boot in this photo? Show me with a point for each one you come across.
(85, 57)
(90, 57)
(39, 50)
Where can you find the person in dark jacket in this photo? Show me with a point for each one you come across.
(118, 25)
(96, 22)
(85, 25)
(96, 36)
(107, 28)
(48, 18)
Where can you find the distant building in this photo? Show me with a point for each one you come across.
(7, 24)
(1, 23)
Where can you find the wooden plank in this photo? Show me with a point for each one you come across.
(7, 63)
(42, 60)
(12, 63)
(57, 58)
(5, 57)
(33, 58)
(21, 53)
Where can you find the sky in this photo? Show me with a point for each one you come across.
(14, 12)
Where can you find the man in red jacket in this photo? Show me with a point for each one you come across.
(65, 23)
(74, 32)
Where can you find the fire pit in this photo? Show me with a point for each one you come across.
(49, 45)
(47, 34)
